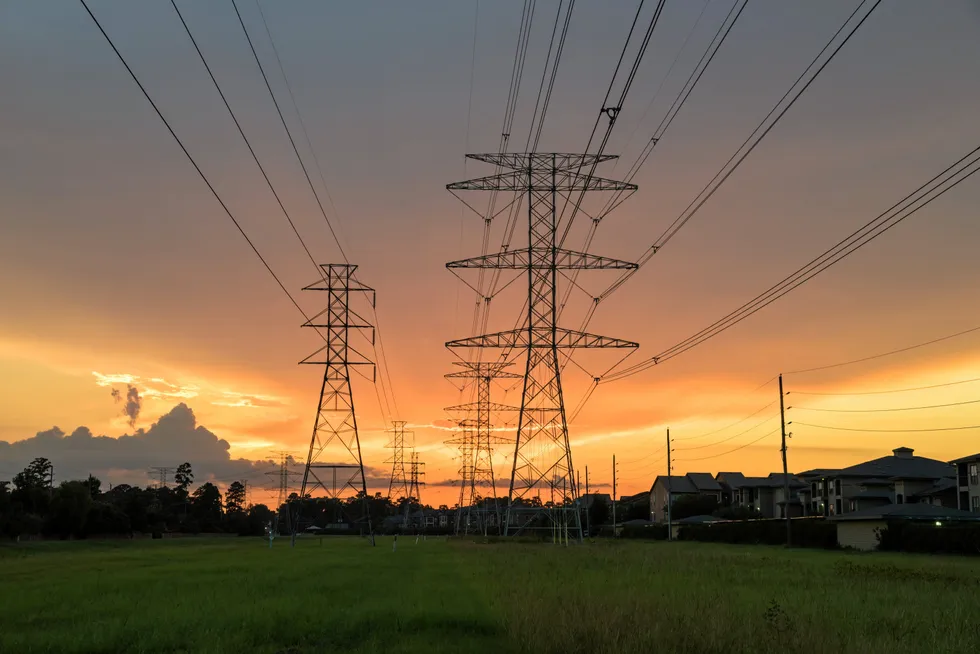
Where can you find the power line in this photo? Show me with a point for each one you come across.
(884, 354)
(380, 358)
(285, 126)
(238, 125)
(907, 206)
(887, 431)
(191, 159)
(906, 408)
(750, 143)
(740, 447)
(737, 422)
(896, 390)
(725, 440)
(617, 197)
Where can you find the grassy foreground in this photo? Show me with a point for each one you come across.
(236, 595)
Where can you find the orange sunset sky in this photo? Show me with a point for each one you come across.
(118, 268)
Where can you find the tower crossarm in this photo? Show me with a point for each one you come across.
(473, 406)
(525, 258)
(524, 160)
(542, 338)
(519, 180)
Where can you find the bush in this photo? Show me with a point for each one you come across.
(652, 532)
(929, 538)
(105, 519)
(810, 532)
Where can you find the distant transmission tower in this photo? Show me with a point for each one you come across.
(542, 456)
(162, 475)
(479, 439)
(399, 485)
(416, 481)
(334, 465)
(465, 441)
(281, 522)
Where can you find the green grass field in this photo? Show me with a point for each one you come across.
(236, 595)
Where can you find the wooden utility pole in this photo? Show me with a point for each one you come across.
(670, 535)
(782, 421)
(614, 496)
(588, 527)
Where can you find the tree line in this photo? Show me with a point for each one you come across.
(80, 508)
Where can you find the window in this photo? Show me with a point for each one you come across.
(813, 489)
(837, 507)
(975, 503)
(852, 506)
(974, 477)
(899, 499)
(837, 486)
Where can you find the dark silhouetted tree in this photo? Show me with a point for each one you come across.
(599, 511)
(206, 507)
(235, 498)
(184, 477)
(32, 486)
(94, 485)
(70, 507)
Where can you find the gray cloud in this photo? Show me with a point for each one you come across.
(133, 403)
(174, 438)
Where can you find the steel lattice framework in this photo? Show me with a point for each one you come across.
(542, 455)
(476, 442)
(334, 465)
(400, 480)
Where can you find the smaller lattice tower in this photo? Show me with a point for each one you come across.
(281, 522)
(398, 487)
(334, 468)
(476, 441)
(416, 476)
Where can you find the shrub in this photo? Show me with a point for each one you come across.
(811, 532)
(652, 532)
(902, 536)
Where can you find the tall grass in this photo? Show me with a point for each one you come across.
(340, 594)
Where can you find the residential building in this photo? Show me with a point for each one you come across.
(765, 495)
(860, 529)
(693, 483)
(967, 483)
(900, 479)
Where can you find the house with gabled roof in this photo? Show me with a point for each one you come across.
(764, 495)
(670, 488)
(897, 479)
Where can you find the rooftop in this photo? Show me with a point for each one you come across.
(902, 464)
(916, 511)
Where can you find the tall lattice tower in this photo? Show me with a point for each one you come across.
(416, 479)
(478, 439)
(281, 522)
(399, 485)
(334, 466)
(542, 455)
(464, 438)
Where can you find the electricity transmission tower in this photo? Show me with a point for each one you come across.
(334, 465)
(282, 476)
(162, 474)
(542, 455)
(400, 481)
(415, 480)
(476, 440)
